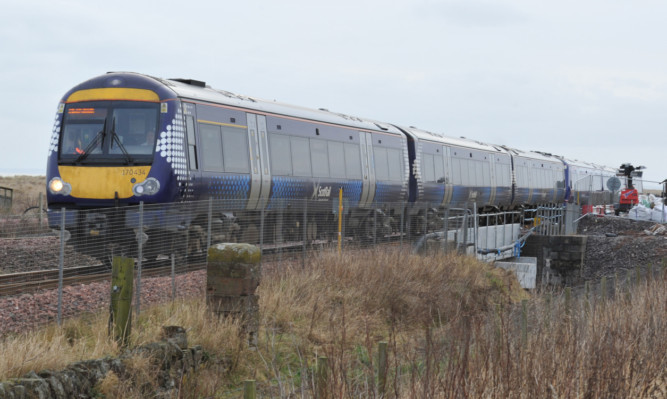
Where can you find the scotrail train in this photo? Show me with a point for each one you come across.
(124, 138)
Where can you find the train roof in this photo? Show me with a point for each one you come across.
(425, 135)
(581, 164)
(196, 90)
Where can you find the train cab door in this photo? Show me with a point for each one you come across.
(260, 168)
(449, 186)
(187, 187)
(367, 169)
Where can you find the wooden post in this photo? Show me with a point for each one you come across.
(382, 368)
(322, 376)
(120, 320)
(568, 300)
(603, 288)
(249, 389)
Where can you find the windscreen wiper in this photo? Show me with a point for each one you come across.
(114, 137)
(99, 137)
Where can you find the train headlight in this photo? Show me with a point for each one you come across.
(58, 186)
(149, 186)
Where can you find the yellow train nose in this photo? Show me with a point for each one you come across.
(103, 182)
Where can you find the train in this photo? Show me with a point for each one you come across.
(123, 138)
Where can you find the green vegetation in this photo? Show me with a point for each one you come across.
(454, 327)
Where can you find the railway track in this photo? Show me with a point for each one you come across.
(32, 281)
(29, 282)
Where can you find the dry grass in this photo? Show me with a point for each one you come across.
(453, 327)
(26, 191)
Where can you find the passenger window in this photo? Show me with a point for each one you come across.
(300, 156)
(235, 149)
(468, 172)
(486, 169)
(336, 159)
(320, 155)
(439, 169)
(381, 165)
(211, 148)
(456, 171)
(429, 168)
(395, 164)
(281, 160)
(352, 161)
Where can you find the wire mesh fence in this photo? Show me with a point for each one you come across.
(74, 246)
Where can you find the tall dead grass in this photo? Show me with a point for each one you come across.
(26, 192)
(454, 327)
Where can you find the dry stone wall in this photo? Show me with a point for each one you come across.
(170, 357)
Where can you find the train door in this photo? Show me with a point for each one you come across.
(368, 169)
(186, 187)
(493, 183)
(449, 186)
(260, 169)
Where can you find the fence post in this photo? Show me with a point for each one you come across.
(210, 222)
(140, 254)
(524, 322)
(249, 389)
(568, 300)
(402, 221)
(322, 376)
(382, 368)
(120, 320)
(375, 226)
(305, 233)
(41, 211)
(340, 221)
(61, 265)
(603, 288)
(173, 277)
(261, 234)
(445, 231)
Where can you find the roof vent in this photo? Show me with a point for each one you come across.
(192, 82)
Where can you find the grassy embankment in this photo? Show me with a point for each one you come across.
(453, 328)
(26, 192)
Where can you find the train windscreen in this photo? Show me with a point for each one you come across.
(110, 132)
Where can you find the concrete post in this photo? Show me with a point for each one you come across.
(232, 276)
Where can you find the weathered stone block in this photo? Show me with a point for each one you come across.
(228, 286)
(234, 304)
(234, 253)
(176, 335)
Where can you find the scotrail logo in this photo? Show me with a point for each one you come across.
(321, 193)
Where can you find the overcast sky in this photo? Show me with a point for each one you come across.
(586, 79)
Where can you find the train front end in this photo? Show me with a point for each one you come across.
(117, 141)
